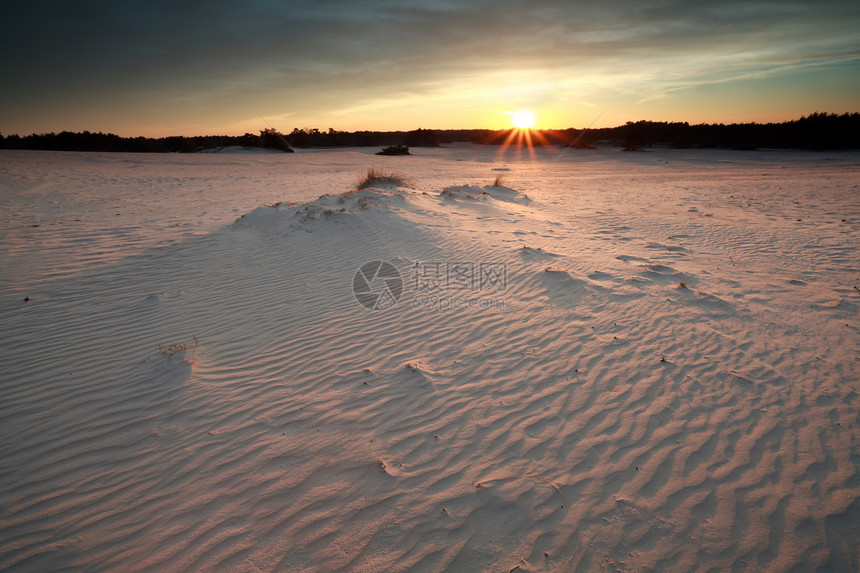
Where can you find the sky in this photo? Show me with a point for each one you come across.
(157, 68)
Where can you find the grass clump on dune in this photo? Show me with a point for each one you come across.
(376, 177)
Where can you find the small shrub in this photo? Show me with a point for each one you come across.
(395, 150)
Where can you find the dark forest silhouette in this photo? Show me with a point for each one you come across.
(818, 131)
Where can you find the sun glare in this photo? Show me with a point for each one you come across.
(523, 119)
(524, 137)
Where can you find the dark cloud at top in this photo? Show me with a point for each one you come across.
(108, 51)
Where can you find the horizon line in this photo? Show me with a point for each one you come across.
(539, 129)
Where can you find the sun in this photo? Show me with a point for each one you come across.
(523, 119)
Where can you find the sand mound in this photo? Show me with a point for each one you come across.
(490, 191)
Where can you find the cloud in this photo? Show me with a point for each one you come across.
(328, 54)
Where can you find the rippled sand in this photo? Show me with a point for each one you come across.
(619, 361)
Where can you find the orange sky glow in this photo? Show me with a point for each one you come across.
(158, 70)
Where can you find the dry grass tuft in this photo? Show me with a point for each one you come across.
(499, 180)
(375, 177)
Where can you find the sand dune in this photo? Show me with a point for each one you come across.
(611, 362)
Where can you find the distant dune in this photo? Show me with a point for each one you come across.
(237, 149)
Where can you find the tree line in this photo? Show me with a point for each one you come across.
(818, 131)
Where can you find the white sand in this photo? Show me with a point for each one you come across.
(589, 415)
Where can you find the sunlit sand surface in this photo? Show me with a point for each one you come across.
(664, 376)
